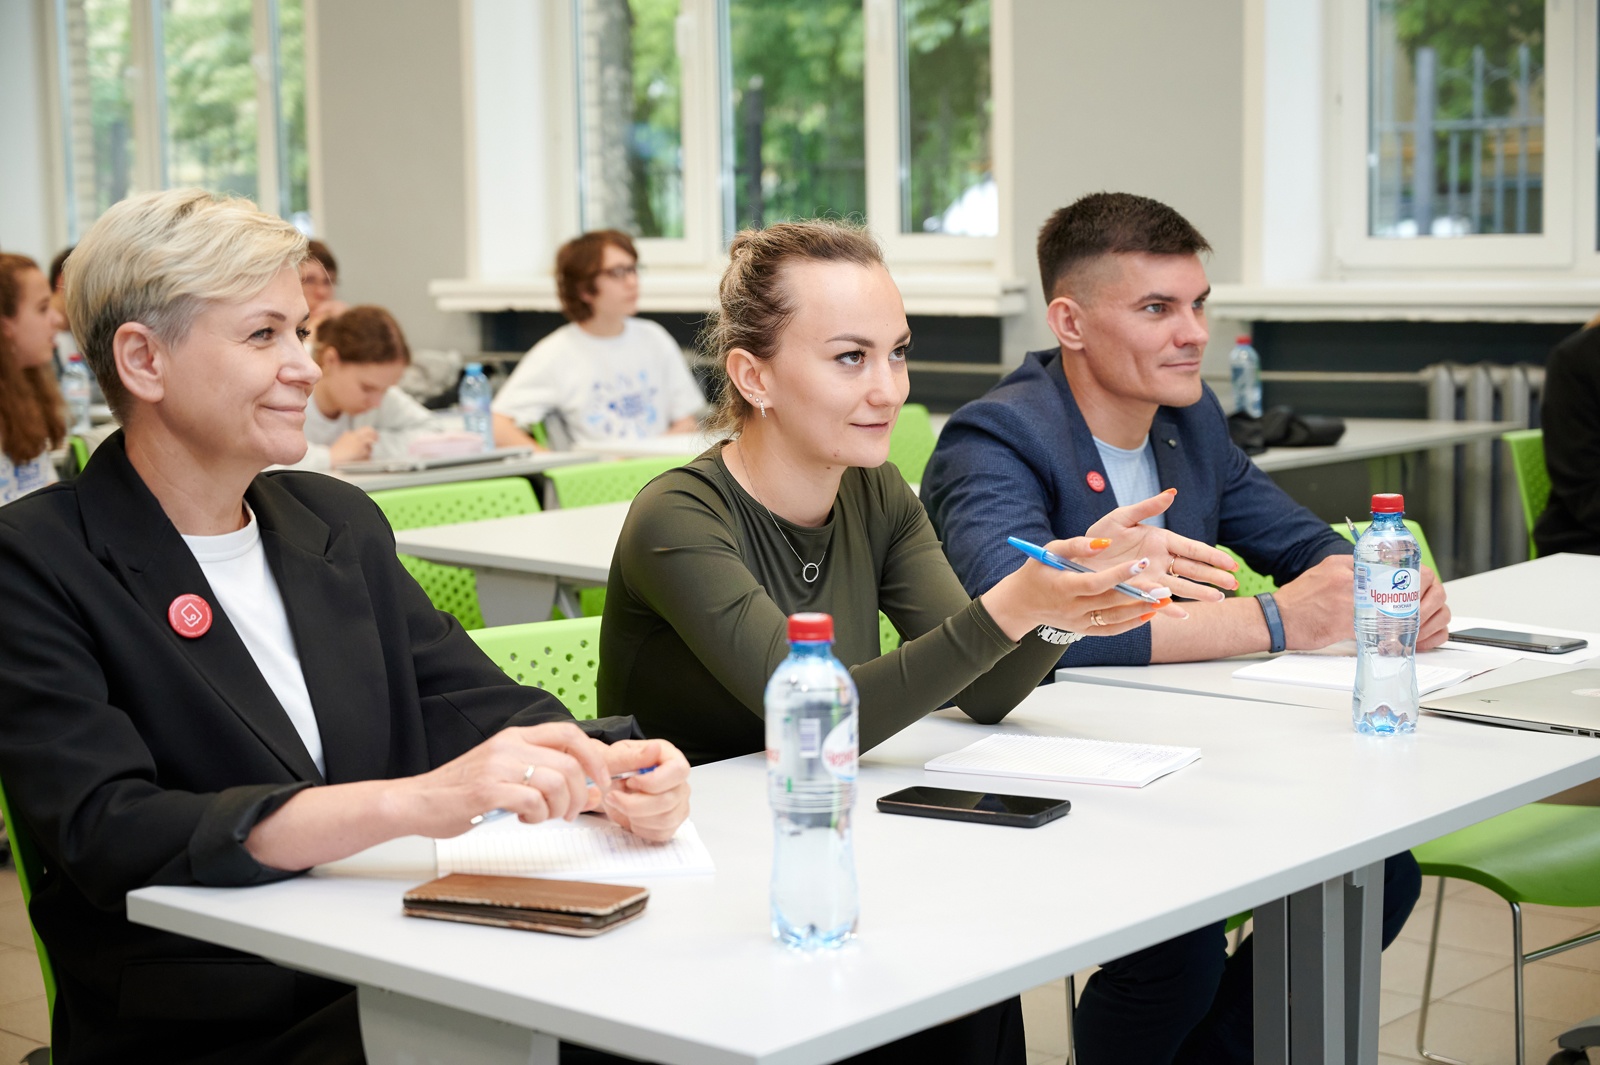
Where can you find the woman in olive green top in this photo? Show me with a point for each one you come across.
(801, 511)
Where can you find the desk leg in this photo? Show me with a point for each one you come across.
(397, 1029)
(508, 598)
(1271, 935)
(1316, 973)
(1363, 954)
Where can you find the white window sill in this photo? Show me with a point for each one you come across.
(1527, 300)
(972, 292)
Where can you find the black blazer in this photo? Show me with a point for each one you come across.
(135, 756)
(1571, 418)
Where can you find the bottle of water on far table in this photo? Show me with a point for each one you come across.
(1245, 367)
(475, 395)
(75, 390)
(1388, 581)
(811, 782)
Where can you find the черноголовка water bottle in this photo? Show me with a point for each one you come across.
(75, 389)
(475, 394)
(1244, 368)
(811, 782)
(1388, 591)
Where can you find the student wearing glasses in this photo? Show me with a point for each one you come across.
(605, 375)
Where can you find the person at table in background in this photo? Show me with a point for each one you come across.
(32, 419)
(605, 375)
(1570, 415)
(1115, 414)
(357, 411)
(319, 279)
(226, 677)
(800, 511)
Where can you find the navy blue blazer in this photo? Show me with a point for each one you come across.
(1020, 461)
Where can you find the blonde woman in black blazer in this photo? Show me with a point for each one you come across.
(148, 735)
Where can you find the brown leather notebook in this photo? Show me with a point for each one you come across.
(566, 907)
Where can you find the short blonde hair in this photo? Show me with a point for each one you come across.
(158, 259)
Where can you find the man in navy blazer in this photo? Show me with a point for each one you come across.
(1115, 415)
(1119, 413)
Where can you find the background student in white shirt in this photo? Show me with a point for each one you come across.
(356, 412)
(605, 375)
(31, 416)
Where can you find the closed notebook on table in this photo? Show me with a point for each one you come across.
(566, 907)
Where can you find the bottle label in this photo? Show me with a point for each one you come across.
(839, 750)
(1394, 591)
(810, 737)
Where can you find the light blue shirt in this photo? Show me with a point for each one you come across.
(1133, 476)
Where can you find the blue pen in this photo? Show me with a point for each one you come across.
(1050, 558)
(497, 813)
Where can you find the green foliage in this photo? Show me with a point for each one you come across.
(948, 101)
(1453, 28)
(211, 95)
(656, 152)
(110, 103)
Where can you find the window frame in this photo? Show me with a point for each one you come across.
(149, 125)
(1357, 252)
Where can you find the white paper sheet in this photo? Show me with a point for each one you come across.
(1066, 759)
(589, 849)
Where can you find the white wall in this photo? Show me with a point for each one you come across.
(26, 205)
(392, 150)
(1141, 96)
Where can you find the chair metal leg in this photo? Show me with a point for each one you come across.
(1072, 1009)
(1516, 983)
(1427, 985)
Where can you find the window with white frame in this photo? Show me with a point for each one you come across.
(699, 117)
(166, 93)
(1459, 139)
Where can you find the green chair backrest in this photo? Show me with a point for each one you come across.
(888, 635)
(80, 453)
(1533, 477)
(453, 589)
(589, 484)
(911, 443)
(1253, 583)
(29, 869)
(562, 657)
(540, 434)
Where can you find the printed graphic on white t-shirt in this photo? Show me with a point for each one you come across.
(17, 481)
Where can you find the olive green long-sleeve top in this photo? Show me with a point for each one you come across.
(703, 581)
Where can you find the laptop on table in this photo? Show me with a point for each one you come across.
(1564, 703)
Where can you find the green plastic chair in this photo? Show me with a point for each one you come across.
(453, 589)
(562, 657)
(1533, 476)
(1544, 854)
(29, 869)
(911, 443)
(80, 454)
(590, 484)
(888, 636)
(1253, 583)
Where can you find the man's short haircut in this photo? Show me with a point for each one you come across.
(578, 264)
(1110, 223)
(159, 259)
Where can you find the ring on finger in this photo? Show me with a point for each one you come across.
(527, 774)
(1172, 567)
(1096, 619)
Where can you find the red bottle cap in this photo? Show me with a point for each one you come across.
(1241, 340)
(189, 616)
(810, 628)
(1389, 503)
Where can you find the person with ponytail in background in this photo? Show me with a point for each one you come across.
(31, 417)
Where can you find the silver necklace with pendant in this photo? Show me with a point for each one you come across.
(809, 571)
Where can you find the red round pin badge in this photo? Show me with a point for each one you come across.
(1096, 482)
(189, 616)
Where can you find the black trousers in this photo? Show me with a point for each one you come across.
(1186, 1002)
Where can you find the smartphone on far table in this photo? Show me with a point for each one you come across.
(1542, 643)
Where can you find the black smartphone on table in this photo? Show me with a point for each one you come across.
(983, 807)
(1542, 643)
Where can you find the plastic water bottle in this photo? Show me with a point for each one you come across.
(1245, 366)
(1388, 581)
(475, 395)
(75, 388)
(811, 782)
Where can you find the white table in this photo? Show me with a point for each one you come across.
(665, 445)
(524, 562)
(955, 916)
(1368, 438)
(1550, 592)
(519, 466)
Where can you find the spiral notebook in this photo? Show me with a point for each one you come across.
(1068, 759)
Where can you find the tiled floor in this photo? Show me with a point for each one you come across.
(1471, 1017)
